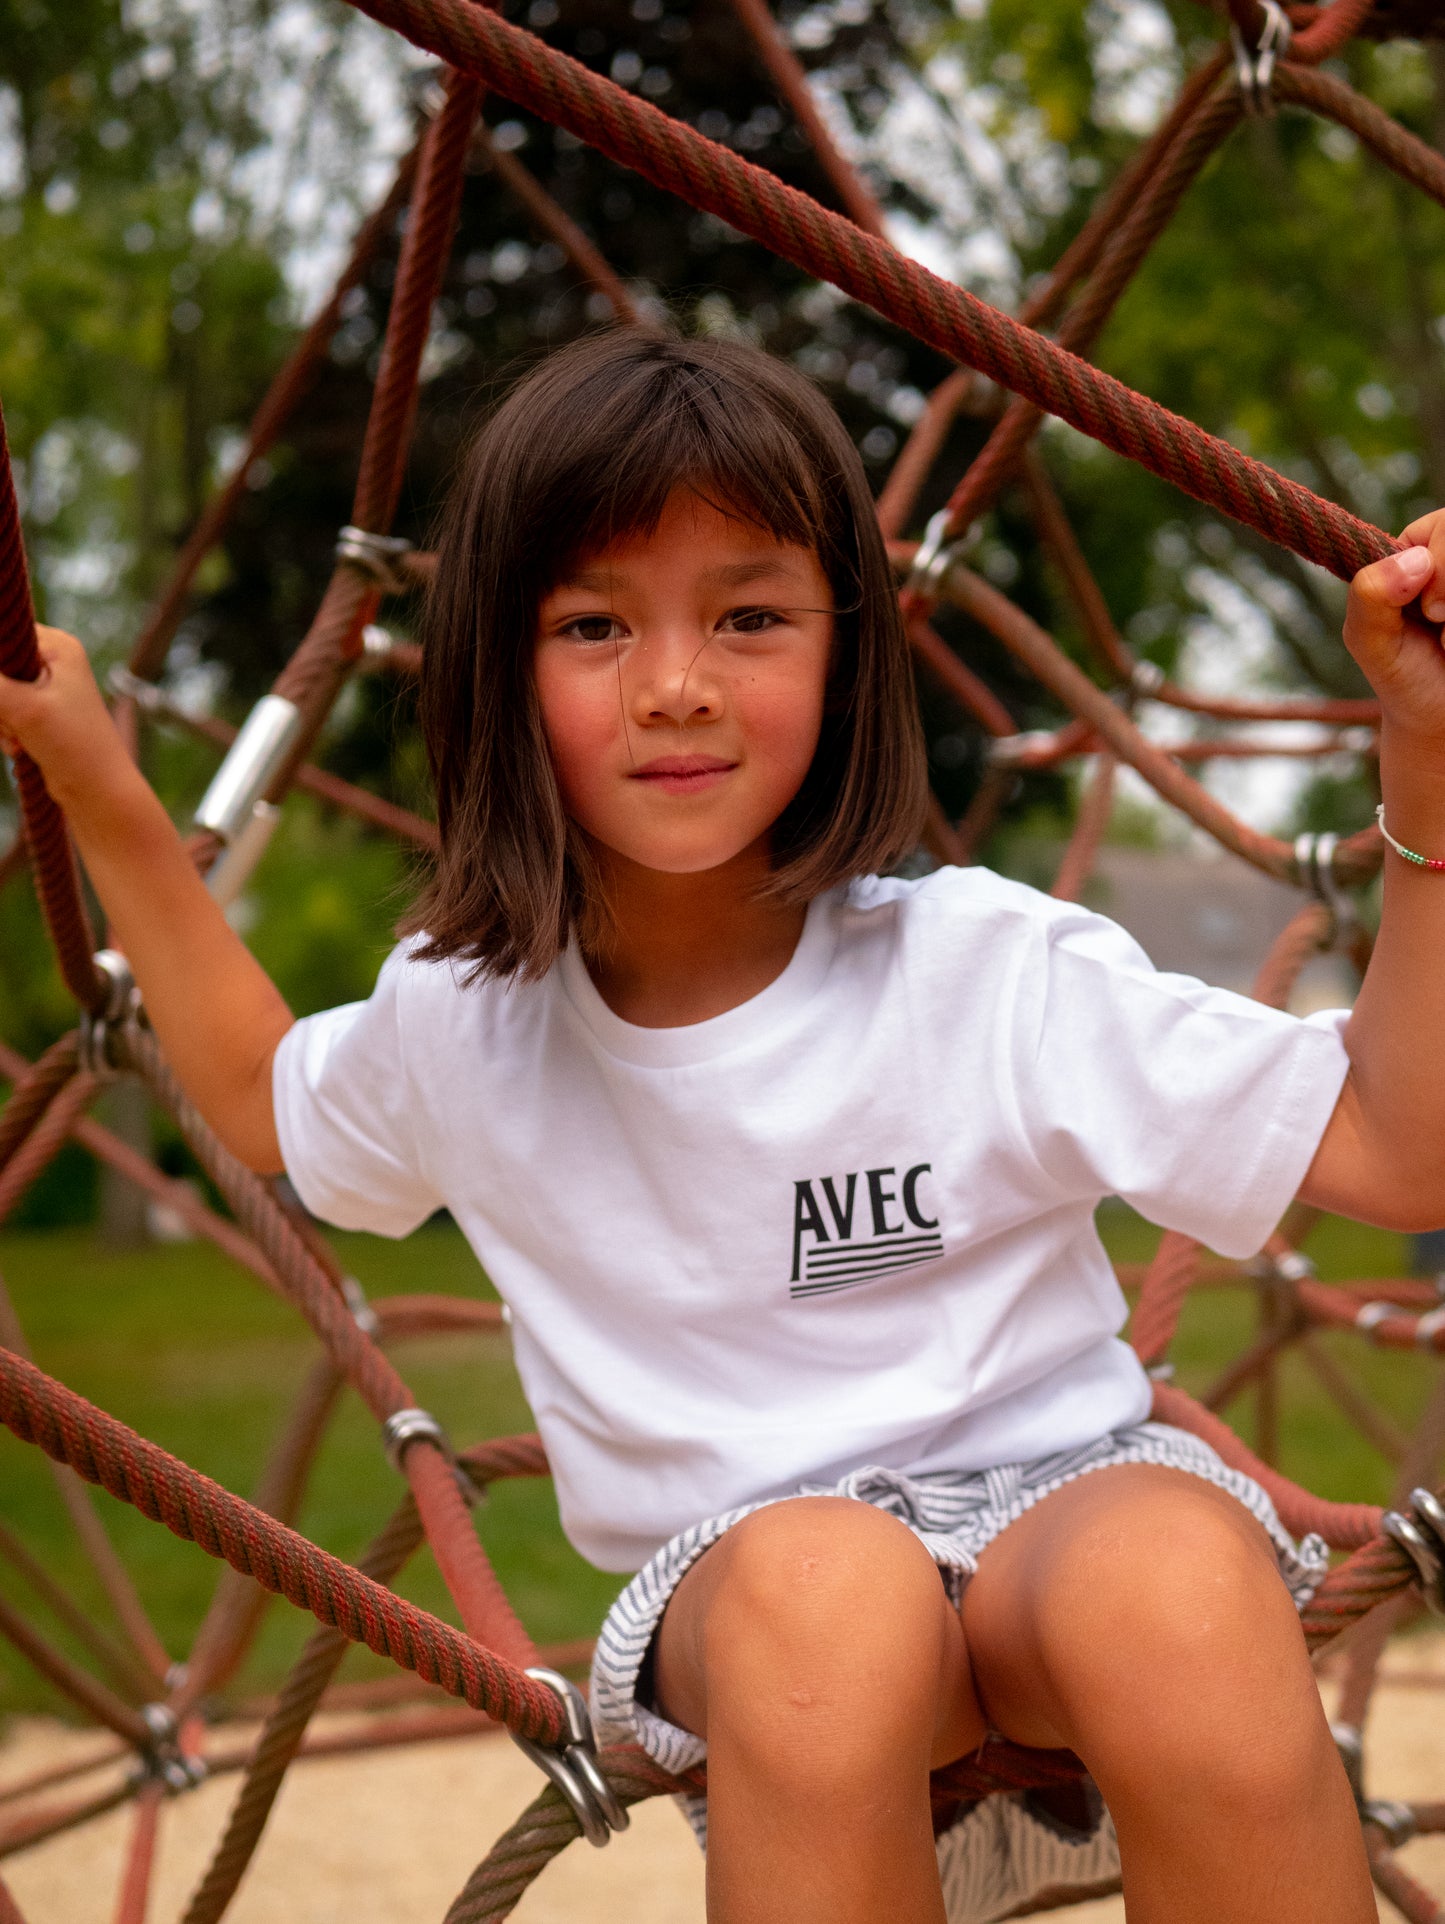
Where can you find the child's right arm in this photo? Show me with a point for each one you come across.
(216, 1012)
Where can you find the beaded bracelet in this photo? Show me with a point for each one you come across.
(1420, 861)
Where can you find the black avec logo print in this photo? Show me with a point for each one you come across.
(828, 1210)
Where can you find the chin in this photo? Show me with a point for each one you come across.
(689, 858)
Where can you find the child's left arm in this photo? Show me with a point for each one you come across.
(1382, 1156)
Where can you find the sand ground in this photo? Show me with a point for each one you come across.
(390, 1838)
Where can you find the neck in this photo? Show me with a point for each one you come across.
(684, 948)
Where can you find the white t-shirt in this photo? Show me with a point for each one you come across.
(849, 1221)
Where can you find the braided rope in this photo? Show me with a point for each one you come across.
(279, 403)
(464, 1566)
(1355, 859)
(281, 1737)
(313, 676)
(708, 176)
(104, 1451)
(57, 881)
(35, 1087)
(45, 1140)
(1198, 140)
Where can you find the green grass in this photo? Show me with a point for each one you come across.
(201, 1359)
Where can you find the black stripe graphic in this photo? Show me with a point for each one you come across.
(851, 1277)
(918, 1250)
(873, 1242)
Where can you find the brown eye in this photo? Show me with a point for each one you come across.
(593, 628)
(751, 621)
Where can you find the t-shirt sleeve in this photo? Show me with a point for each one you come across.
(1199, 1107)
(344, 1117)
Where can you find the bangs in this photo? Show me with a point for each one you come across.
(630, 445)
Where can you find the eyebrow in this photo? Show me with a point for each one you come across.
(732, 574)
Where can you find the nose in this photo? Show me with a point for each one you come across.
(674, 679)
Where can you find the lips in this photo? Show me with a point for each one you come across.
(683, 774)
(683, 765)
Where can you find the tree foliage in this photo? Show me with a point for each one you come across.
(177, 166)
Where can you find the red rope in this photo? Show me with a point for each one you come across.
(708, 176)
(56, 880)
(68, 1428)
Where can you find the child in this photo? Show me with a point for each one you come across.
(788, 1172)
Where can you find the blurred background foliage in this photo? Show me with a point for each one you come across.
(178, 180)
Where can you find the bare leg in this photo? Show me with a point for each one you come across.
(815, 1649)
(1137, 1617)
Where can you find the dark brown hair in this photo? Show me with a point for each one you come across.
(587, 449)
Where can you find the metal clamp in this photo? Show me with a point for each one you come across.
(1254, 66)
(1421, 1535)
(1290, 1266)
(572, 1764)
(1314, 861)
(935, 555)
(1396, 1820)
(377, 642)
(253, 761)
(362, 1314)
(163, 1761)
(378, 555)
(147, 695)
(405, 1427)
(121, 1006)
(1146, 678)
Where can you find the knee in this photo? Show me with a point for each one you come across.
(1183, 1662)
(827, 1629)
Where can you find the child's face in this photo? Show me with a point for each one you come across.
(681, 677)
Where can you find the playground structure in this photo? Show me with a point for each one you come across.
(1272, 60)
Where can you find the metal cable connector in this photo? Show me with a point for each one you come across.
(1254, 66)
(164, 1761)
(122, 1005)
(252, 763)
(362, 1314)
(1146, 678)
(1421, 1535)
(1314, 860)
(572, 1764)
(405, 1427)
(935, 555)
(377, 555)
(1291, 1266)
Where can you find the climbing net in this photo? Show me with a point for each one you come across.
(1040, 361)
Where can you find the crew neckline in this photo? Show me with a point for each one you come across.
(694, 1042)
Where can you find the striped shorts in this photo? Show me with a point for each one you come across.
(1007, 1848)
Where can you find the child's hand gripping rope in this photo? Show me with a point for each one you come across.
(218, 1015)
(61, 722)
(1400, 652)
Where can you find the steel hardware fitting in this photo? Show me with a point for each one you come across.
(234, 807)
(1421, 1535)
(164, 1761)
(122, 1005)
(935, 555)
(378, 555)
(404, 1427)
(1254, 66)
(572, 1764)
